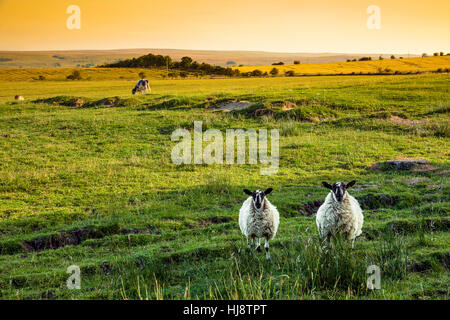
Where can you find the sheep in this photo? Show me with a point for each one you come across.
(19, 98)
(258, 218)
(339, 213)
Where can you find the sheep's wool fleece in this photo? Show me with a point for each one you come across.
(259, 224)
(345, 216)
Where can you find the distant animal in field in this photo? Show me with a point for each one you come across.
(141, 86)
(340, 213)
(258, 218)
(19, 98)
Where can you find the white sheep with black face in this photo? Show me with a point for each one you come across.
(258, 218)
(340, 213)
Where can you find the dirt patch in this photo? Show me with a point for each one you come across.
(228, 106)
(285, 105)
(400, 164)
(309, 209)
(203, 223)
(77, 236)
(420, 267)
(376, 201)
(405, 122)
(64, 238)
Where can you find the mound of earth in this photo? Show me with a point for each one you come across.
(228, 106)
(400, 164)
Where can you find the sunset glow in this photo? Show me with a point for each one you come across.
(279, 26)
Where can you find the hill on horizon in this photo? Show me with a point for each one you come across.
(91, 58)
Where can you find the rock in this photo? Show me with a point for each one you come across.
(375, 201)
(400, 164)
(405, 164)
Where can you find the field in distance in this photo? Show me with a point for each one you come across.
(89, 58)
(355, 67)
(365, 67)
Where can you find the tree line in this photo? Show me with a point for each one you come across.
(186, 64)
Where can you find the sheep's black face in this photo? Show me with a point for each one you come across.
(339, 189)
(133, 91)
(258, 197)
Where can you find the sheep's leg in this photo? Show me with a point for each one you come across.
(353, 242)
(258, 246)
(266, 246)
(248, 242)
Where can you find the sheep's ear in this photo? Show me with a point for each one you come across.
(350, 184)
(269, 190)
(327, 185)
(248, 192)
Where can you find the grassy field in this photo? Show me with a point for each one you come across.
(72, 59)
(95, 187)
(375, 66)
(132, 74)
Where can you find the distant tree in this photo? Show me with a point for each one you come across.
(278, 63)
(436, 54)
(183, 74)
(142, 75)
(274, 72)
(231, 63)
(424, 55)
(76, 75)
(257, 73)
(380, 58)
(365, 59)
(296, 61)
(186, 62)
(441, 53)
(289, 73)
(392, 57)
(241, 65)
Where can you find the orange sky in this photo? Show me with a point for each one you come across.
(413, 26)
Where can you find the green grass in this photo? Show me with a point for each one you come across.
(151, 229)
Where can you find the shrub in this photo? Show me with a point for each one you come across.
(257, 73)
(289, 73)
(392, 57)
(42, 78)
(274, 72)
(76, 75)
(278, 63)
(296, 61)
(365, 59)
(142, 75)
